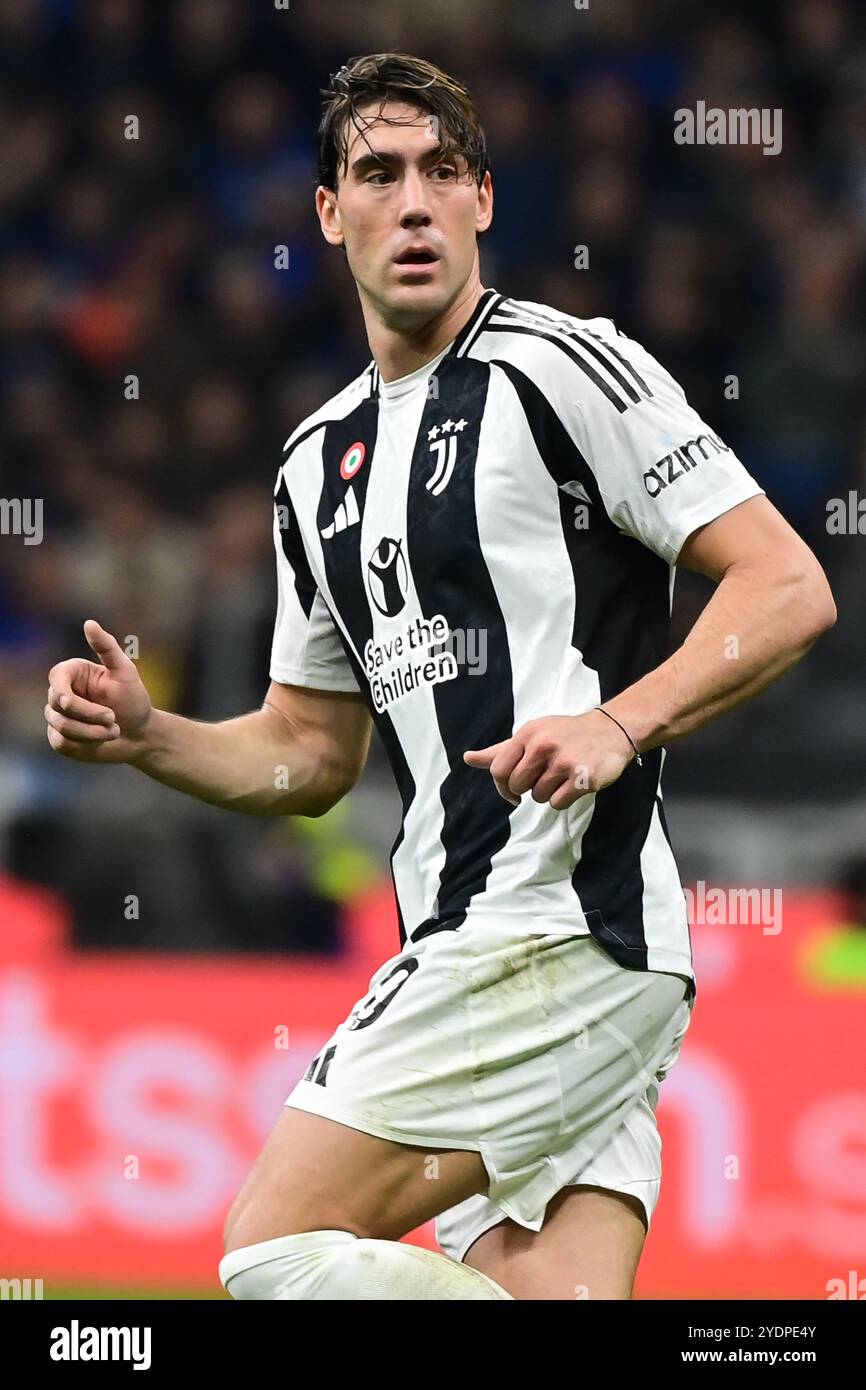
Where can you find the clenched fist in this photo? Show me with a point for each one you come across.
(97, 711)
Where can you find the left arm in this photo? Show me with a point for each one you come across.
(772, 602)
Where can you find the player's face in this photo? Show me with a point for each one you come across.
(408, 215)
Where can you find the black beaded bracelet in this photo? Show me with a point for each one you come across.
(638, 758)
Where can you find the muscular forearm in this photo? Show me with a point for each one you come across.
(245, 764)
(754, 628)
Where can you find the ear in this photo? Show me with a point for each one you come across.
(484, 213)
(329, 215)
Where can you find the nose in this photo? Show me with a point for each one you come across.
(415, 211)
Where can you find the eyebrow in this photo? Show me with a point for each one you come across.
(364, 162)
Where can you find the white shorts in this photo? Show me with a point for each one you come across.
(537, 1051)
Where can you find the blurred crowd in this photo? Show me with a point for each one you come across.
(153, 359)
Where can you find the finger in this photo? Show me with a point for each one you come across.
(60, 680)
(509, 755)
(572, 789)
(502, 788)
(549, 783)
(57, 741)
(483, 757)
(107, 648)
(507, 758)
(529, 770)
(498, 758)
(61, 745)
(76, 707)
(77, 732)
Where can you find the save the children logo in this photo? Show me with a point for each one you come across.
(388, 577)
(398, 665)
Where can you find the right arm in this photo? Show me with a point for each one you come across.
(297, 755)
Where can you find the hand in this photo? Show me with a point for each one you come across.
(97, 712)
(560, 757)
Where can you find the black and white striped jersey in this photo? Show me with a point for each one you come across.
(486, 541)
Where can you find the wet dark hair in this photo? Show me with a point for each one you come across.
(382, 77)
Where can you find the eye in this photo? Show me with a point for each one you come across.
(447, 169)
(377, 174)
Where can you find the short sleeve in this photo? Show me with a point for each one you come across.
(661, 470)
(306, 647)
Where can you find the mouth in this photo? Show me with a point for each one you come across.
(419, 256)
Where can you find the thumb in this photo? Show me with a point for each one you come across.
(106, 647)
(483, 757)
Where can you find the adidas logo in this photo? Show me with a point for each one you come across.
(346, 515)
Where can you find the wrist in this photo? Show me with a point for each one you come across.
(147, 739)
(617, 721)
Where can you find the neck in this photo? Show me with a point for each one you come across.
(397, 351)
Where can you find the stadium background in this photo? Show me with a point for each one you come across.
(166, 969)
